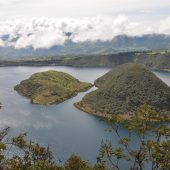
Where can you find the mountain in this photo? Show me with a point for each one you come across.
(121, 43)
(158, 60)
(50, 87)
(125, 88)
(148, 41)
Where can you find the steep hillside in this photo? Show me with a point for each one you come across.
(123, 89)
(51, 87)
(154, 60)
(101, 60)
(158, 60)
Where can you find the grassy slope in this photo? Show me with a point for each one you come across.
(124, 89)
(50, 87)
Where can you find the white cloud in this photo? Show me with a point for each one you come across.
(1, 43)
(165, 26)
(41, 39)
(74, 8)
(46, 32)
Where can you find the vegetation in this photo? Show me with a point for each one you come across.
(153, 148)
(154, 60)
(18, 154)
(51, 87)
(152, 151)
(158, 60)
(167, 70)
(124, 89)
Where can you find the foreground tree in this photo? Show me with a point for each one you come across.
(151, 128)
(153, 149)
(31, 156)
(19, 154)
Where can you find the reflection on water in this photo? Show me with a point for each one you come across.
(65, 128)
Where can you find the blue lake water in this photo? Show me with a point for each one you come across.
(66, 129)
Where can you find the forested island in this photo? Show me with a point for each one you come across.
(123, 90)
(51, 87)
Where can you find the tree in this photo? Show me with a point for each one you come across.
(154, 141)
(150, 127)
(31, 156)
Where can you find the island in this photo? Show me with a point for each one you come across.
(51, 87)
(122, 90)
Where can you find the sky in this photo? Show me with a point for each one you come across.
(153, 9)
(90, 20)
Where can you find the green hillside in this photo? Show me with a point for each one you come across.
(124, 89)
(50, 87)
(154, 60)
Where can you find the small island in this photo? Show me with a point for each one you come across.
(122, 90)
(51, 87)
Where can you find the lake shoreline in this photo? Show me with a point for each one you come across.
(156, 61)
(56, 124)
(38, 64)
(71, 66)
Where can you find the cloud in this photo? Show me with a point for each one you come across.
(41, 39)
(75, 8)
(1, 43)
(47, 32)
(165, 26)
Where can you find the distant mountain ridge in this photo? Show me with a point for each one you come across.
(121, 43)
(153, 60)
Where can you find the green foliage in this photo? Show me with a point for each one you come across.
(32, 156)
(51, 87)
(124, 89)
(153, 132)
(75, 163)
(16, 153)
(154, 60)
(150, 127)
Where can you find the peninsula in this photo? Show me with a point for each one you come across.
(124, 89)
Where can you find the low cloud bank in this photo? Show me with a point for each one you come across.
(46, 33)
